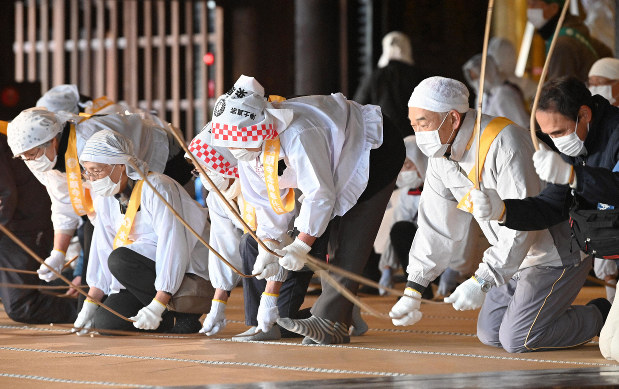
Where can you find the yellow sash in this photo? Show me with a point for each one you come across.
(98, 104)
(3, 127)
(248, 213)
(80, 197)
(271, 157)
(122, 236)
(490, 133)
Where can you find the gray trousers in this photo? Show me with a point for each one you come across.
(536, 313)
(354, 234)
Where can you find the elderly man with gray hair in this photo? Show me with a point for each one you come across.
(526, 281)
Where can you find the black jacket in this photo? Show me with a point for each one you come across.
(596, 183)
(390, 88)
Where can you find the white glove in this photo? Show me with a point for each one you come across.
(55, 260)
(487, 205)
(84, 319)
(467, 296)
(149, 317)
(215, 321)
(293, 255)
(551, 167)
(609, 337)
(266, 263)
(406, 311)
(268, 313)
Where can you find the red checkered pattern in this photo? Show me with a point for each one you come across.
(212, 158)
(243, 134)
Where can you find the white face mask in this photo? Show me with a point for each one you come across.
(245, 155)
(409, 179)
(429, 142)
(536, 17)
(570, 144)
(606, 91)
(219, 181)
(42, 164)
(105, 187)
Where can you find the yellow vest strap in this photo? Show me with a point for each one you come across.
(122, 236)
(80, 197)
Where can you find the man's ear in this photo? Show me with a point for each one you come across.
(456, 118)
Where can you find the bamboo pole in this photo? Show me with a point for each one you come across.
(544, 72)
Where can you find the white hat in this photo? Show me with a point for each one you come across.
(493, 76)
(239, 116)
(31, 128)
(606, 67)
(414, 154)
(440, 94)
(110, 147)
(215, 158)
(504, 54)
(61, 98)
(396, 46)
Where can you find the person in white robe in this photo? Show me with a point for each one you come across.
(142, 256)
(343, 157)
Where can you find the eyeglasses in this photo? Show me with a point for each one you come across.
(35, 153)
(195, 173)
(96, 174)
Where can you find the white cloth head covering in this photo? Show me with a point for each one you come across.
(61, 98)
(215, 158)
(112, 148)
(239, 116)
(414, 154)
(440, 94)
(493, 77)
(504, 54)
(31, 128)
(396, 46)
(606, 67)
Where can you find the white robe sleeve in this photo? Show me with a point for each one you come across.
(440, 233)
(224, 238)
(98, 274)
(64, 217)
(173, 252)
(309, 155)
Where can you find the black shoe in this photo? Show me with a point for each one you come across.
(186, 323)
(603, 305)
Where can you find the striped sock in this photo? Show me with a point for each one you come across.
(340, 333)
(317, 329)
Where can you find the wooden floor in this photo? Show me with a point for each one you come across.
(442, 343)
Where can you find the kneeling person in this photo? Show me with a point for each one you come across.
(142, 258)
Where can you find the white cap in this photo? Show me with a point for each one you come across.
(414, 154)
(31, 128)
(110, 147)
(606, 67)
(215, 158)
(396, 46)
(239, 116)
(61, 98)
(493, 76)
(440, 94)
(504, 54)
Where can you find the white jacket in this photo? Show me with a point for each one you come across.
(442, 226)
(150, 144)
(156, 234)
(326, 149)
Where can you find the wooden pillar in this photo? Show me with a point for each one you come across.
(317, 48)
